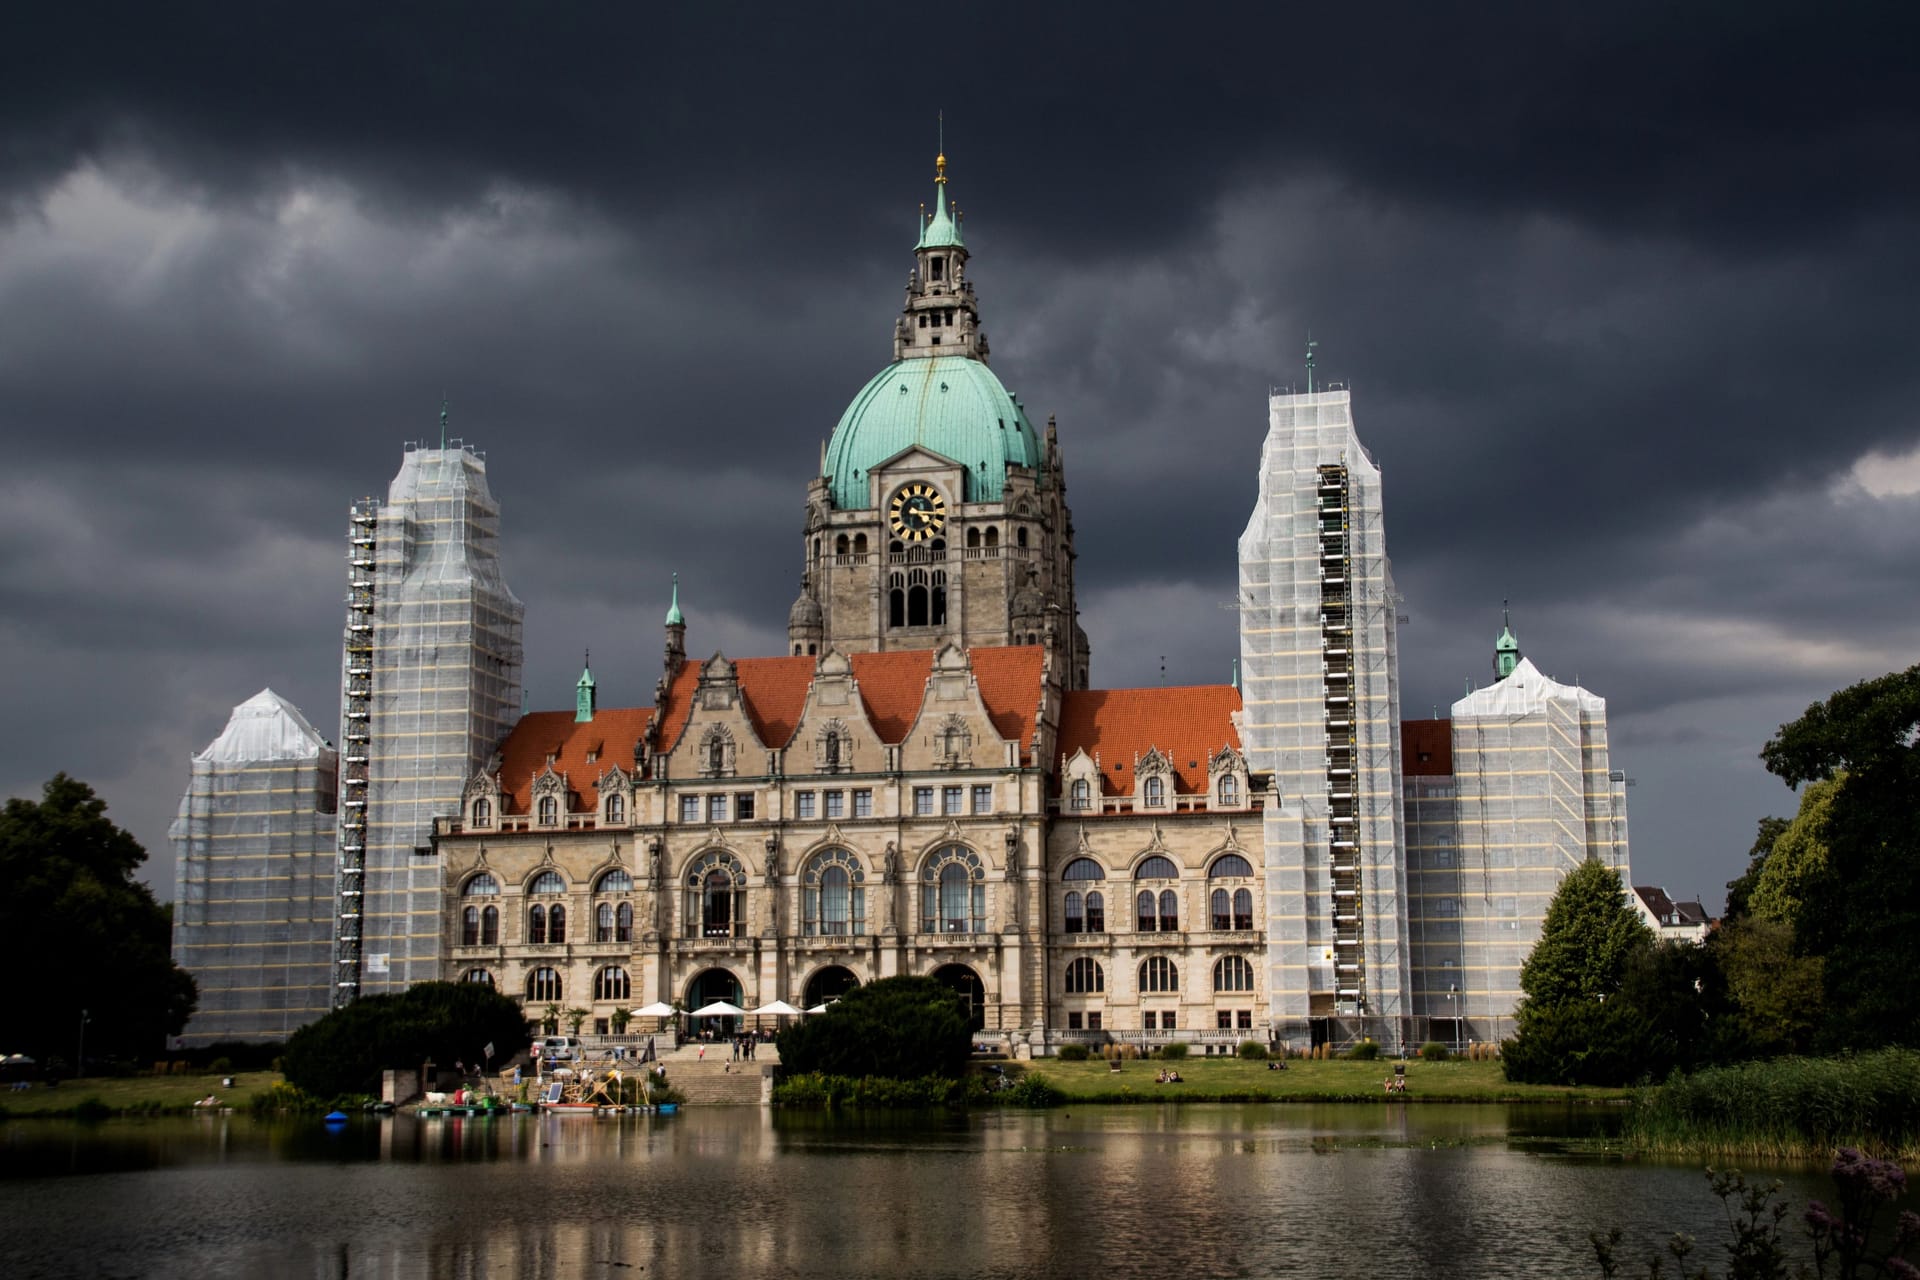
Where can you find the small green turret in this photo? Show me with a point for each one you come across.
(1506, 650)
(584, 696)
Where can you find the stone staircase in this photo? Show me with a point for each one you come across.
(712, 1083)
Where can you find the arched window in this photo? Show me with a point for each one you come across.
(1096, 912)
(615, 881)
(543, 986)
(1169, 911)
(993, 535)
(1229, 789)
(917, 598)
(860, 544)
(490, 926)
(897, 599)
(840, 545)
(1243, 908)
(1229, 865)
(1147, 920)
(833, 895)
(1157, 868)
(480, 976)
(623, 922)
(549, 811)
(482, 812)
(470, 927)
(1080, 794)
(1084, 869)
(556, 924)
(1020, 535)
(546, 883)
(537, 925)
(973, 537)
(481, 886)
(1084, 977)
(603, 922)
(716, 896)
(953, 892)
(1222, 903)
(1075, 914)
(612, 983)
(1233, 973)
(1154, 792)
(939, 603)
(616, 808)
(1158, 976)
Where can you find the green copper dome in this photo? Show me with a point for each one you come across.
(951, 405)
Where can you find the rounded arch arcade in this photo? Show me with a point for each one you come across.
(963, 981)
(829, 982)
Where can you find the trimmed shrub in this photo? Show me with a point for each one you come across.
(1434, 1051)
(1365, 1051)
(1033, 1092)
(901, 1028)
(345, 1052)
(1253, 1051)
(1177, 1050)
(1073, 1053)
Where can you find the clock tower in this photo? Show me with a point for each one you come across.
(939, 515)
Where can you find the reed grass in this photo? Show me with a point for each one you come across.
(1786, 1109)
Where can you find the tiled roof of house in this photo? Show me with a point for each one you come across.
(1117, 725)
(609, 737)
(1426, 748)
(1666, 910)
(774, 691)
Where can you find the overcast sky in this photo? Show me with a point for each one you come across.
(1626, 296)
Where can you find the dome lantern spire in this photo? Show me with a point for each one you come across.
(1506, 650)
(942, 317)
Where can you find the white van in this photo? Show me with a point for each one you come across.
(561, 1048)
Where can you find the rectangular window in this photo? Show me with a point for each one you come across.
(716, 808)
(923, 802)
(983, 799)
(689, 808)
(1169, 1020)
(1246, 1020)
(1093, 1021)
(836, 804)
(743, 807)
(803, 804)
(1223, 1020)
(1073, 1022)
(863, 804)
(950, 798)
(1150, 1020)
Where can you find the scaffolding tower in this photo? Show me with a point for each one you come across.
(356, 733)
(1347, 899)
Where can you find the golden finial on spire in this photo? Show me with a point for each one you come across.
(940, 160)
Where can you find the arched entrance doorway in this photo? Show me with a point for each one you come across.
(963, 980)
(707, 987)
(829, 983)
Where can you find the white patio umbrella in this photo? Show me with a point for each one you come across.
(658, 1009)
(778, 1008)
(719, 1009)
(819, 1008)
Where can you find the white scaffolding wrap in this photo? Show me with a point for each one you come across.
(430, 685)
(253, 904)
(1320, 674)
(1532, 795)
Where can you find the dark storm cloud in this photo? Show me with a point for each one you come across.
(1622, 292)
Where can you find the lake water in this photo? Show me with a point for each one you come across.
(1195, 1191)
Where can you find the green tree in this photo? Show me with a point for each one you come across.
(1774, 997)
(94, 936)
(1861, 912)
(1572, 1026)
(1799, 858)
(1588, 937)
(1738, 891)
(445, 1022)
(902, 1028)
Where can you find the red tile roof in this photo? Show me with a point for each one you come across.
(1118, 724)
(892, 687)
(1432, 739)
(610, 736)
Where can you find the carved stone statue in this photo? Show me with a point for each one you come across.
(890, 865)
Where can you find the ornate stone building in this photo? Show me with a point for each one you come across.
(925, 783)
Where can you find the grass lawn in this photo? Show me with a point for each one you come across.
(1232, 1080)
(142, 1092)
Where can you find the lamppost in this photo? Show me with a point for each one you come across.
(80, 1051)
(1453, 1013)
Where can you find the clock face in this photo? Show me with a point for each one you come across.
(917, 512)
